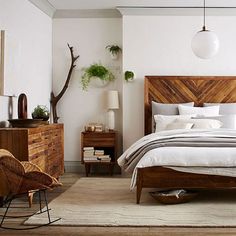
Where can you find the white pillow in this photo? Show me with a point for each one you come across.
(166, 109)
(225, 108)
(229, 121)
(204, 123)
(199, 111)
(162, 121)
(179, 125)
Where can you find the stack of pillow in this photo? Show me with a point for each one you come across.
(186, 116)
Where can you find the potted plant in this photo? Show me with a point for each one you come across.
(129, 76)
(114, 51)
(40, 112)
(96, 71)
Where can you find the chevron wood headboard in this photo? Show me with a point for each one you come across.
(180, 89)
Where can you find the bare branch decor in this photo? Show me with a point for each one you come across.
(54, 99)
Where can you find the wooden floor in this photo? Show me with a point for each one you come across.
(68, 179)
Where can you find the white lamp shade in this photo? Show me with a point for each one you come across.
(205, 44)
(112, 99)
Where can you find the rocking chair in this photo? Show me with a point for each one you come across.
(18, 178)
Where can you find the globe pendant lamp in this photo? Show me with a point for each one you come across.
(205, 43)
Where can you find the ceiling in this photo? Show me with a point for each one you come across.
(112, 4)
(108, 8)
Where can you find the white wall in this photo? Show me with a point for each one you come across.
(28, 54)
(89, 37)
(161, 45)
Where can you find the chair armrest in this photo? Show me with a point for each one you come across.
(36, 180)
(28, 166)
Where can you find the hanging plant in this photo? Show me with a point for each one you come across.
(114, 50)
(129, 76)
(96, 71)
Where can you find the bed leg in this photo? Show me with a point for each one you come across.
(138, 194)
(139, 184)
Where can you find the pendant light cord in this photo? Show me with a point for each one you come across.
(204, 16)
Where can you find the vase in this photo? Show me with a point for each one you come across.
(22, 106)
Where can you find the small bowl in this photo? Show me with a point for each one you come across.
(165, 198)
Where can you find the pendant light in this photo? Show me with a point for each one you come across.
(205, 43)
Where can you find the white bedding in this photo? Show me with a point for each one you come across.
(215, 159)
(201, 160)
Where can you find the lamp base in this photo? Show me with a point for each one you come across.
(111, 119)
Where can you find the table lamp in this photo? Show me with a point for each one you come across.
(112, 104)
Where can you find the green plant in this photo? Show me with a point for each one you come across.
(113, 49)
(129, 75)
(95, 70)
(40, 112)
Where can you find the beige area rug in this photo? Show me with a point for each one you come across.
(109, 202)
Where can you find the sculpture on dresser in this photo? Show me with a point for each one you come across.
(55, 99)
(22, 106)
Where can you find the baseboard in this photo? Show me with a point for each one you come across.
(77, 167)
(74, 167)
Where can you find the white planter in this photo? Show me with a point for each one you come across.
(98, 83)
(114, 56)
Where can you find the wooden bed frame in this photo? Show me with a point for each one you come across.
(180, 89)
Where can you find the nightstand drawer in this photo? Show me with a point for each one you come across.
(97, 142)
(99, 139)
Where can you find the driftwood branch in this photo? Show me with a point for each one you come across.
(54, 99)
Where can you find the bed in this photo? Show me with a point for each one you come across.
(182, 89)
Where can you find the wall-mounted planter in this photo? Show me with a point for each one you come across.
(129, 76)
(96, 82)
(114, 51)
(96, 74)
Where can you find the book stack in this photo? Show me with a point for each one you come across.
(104, 158)
(101, 157)
(89, 154)
(99, 152)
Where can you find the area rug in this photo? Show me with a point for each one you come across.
(109, 202)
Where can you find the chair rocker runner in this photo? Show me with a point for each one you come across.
(20, 178)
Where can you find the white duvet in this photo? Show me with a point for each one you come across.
(202, 160)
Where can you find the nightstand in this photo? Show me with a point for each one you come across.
(101, 141)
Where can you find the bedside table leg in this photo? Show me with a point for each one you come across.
(87, 169)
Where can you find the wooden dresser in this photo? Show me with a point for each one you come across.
(43, 146)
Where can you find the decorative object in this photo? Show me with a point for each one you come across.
(173, 196)
(114, 205)
(26, 123)
(22, 106)
(55, 99)
(95, 71)
(40, 112)
(112, 104)
(114, 51)
(129, 76)
(94, 127)
(2, 46)
(205, 43)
